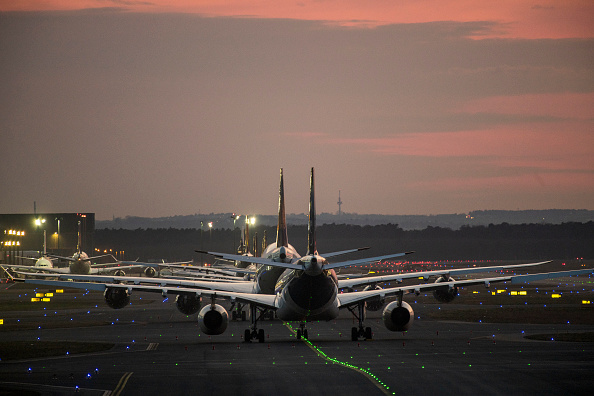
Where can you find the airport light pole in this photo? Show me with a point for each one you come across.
(235, 218)
(41, 222)
(58, 219)
(210, 237)
(201, 247)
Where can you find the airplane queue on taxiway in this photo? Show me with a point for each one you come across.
(296, 288)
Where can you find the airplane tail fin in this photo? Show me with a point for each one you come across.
(311, 225)
(79, 241)
(281, 230)
(246, 235)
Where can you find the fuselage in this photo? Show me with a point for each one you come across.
(44, 262)
(267, 275)
(81, 265)
(304, 297)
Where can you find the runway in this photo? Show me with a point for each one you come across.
(158, 350)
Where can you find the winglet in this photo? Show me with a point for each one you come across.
(281, 230)
(311, 225)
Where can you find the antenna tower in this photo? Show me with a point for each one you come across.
(339, 204)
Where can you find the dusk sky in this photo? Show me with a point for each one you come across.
(160, 108)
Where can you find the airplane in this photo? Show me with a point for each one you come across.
(80, 263)
(307, 289)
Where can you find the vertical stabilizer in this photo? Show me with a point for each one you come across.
(311, 225)
(246, 235)
(79, 242)
(281, 230)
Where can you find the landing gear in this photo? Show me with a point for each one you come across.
(237, 312)
(302, 331)
(361, 331)
(253, 333)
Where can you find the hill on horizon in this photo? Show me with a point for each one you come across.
(406, 222)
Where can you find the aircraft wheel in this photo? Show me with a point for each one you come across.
(368, 333)
(247, 335)
(305, 334)
(261, 335)
(298, 334)
(354, 334)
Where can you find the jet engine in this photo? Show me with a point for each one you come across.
(377, 303)
(116, 297)
(119, 273)
(187, 303)
(150, 272)
(398, 316)
(213, 319)
(447, 294)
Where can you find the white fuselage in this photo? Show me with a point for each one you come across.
(267, 275)
(81, 265)
(305, 298)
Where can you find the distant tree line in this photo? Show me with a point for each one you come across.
(492, 242)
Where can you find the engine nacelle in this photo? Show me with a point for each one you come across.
(376, 303)
(116, 297)
(187, 303)
(150, 272)
(119, 273)
(213, 319)
(447, 294)
(398, 317)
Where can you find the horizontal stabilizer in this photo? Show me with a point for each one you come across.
(364, 261)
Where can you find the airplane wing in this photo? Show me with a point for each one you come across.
(236, 286)
(156, 265)
(34, 259)
(346, 283)
(101, 256)
(262, 300)
(88, 258)
(180, 266)
(362, 261)
(254, 260)
(347, 299)
(39, 269)
(102, 270)
(333, 254)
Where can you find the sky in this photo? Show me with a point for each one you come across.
(161, 108)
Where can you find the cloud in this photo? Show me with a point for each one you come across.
(540, 147)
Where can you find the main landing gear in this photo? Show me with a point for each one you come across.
(237, 312)
(364, 332)
(253, 333)
(302, 331)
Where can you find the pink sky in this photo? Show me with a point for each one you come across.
(525, 19)
(167, 109)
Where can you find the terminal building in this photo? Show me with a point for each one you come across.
(23, 235)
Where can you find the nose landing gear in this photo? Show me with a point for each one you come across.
(302, 331)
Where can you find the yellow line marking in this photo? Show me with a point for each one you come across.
(120, 387)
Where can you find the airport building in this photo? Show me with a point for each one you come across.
(23, 234)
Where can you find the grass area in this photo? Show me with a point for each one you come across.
(520, 314)
(16, 350)
(571, 337)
